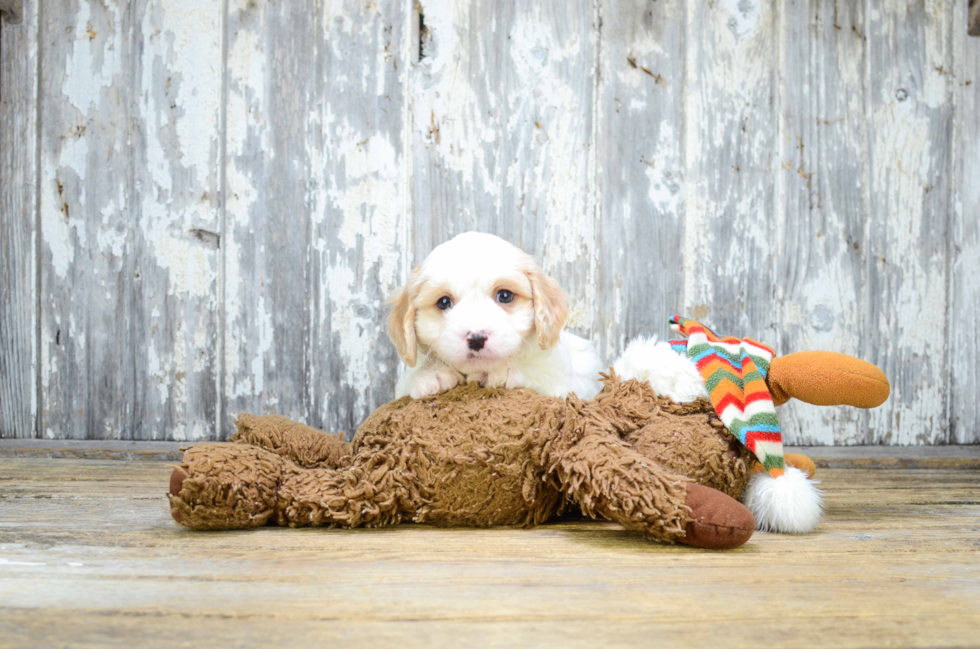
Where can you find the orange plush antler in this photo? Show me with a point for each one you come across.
(827, 379)
(824, 379)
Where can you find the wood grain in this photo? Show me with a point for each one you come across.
(88, 231)
(12, 11)
(641, 170)
(889, 537)
(360, 206)
(317, 224)
(729, 148)
(223, 199)
(909, 124)
(502, 109)
(823, 202)
(268, 282)
(129, 219)
(177, 174)
(964, 242)
(18, 232)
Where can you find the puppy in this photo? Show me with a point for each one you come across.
(480, 309)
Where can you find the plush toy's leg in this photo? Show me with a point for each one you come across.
(365, 494)
(827, 379)
(304, 445)
(225, 486)
(235, 486)
(697, 447)
(605, 476)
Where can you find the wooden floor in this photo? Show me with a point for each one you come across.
(90, 557)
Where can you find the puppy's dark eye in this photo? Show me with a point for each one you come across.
(504, 296)
(445, 302)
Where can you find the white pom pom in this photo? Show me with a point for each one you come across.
(667, 372)
(790, 504)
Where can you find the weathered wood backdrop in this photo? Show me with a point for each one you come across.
(205, 205)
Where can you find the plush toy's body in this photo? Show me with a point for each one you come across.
(479, 457)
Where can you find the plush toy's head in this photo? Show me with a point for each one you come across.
(737, 377)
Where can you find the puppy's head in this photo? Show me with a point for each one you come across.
(475, 302)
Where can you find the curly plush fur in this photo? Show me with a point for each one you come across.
(479, 457)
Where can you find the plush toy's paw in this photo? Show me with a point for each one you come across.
(800, 461)
(790, 504)
(718, 521)
(429, 382)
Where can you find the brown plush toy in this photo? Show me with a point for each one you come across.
(476, 456)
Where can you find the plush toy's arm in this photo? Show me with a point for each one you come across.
(304, 445)
(605, 476)
(827, 379)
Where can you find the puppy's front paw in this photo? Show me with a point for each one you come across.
(504, 378)
(430, 382)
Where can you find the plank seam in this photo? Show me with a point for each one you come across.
(780, 210)
(952, 97)
(131, 109)
(866, 317)
(593, 271)
(38, 95)
(222, 226)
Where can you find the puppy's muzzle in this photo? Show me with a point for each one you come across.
(475, 341)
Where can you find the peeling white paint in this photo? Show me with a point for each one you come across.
(63, 203)
(501, 125)
(94, 60)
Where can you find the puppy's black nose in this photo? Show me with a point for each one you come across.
(476, 340)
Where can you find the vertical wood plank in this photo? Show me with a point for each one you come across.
(359, 203)
(317, 214)
(730, 144)
(502, 113)
(964, 301)
(910, 125)
(177, 85)
(641, 176)
(87, 246)
(128, 213)
(273, 58)
(823, 203)
(18, 218)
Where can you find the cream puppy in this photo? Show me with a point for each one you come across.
(480, 309)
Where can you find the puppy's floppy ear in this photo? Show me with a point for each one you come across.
(401, 320)
(550, 312)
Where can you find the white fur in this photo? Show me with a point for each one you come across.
(572, 366)
(790, 504)
(667, 372)
(470, 270)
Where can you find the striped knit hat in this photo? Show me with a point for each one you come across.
(734, 372)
